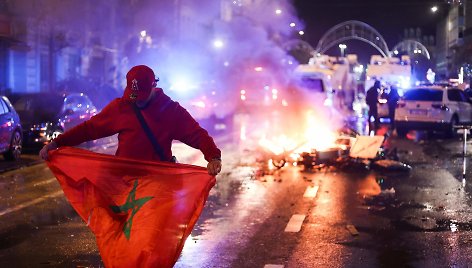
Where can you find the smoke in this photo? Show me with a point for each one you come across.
(184, 51)
(205, 50)
(208, 55)
(249, 57)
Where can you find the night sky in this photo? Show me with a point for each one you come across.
(389, 18)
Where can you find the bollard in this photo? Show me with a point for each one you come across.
(466, 129)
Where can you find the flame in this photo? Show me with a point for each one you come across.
(278, 145)
(317, 135)
(270, 164)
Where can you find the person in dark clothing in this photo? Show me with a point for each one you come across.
(392, 100)
(372, 98)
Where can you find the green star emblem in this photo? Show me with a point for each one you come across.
(133, 205)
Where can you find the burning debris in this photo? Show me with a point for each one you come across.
(343, 149)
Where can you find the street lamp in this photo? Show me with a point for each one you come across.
(342, 47)
(218, 43)
(434, 9)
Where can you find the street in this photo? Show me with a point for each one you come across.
(342, 131)
(274, 218)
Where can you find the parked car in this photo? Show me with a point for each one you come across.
(46, 115)
(433, 108)
(10, 131)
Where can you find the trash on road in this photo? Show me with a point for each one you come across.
(352, 229)
(349, 152)
(388, 192)
(390, 165)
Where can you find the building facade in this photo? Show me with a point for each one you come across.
(454, 41)
(46, 44)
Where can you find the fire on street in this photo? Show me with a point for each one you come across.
(258, 216)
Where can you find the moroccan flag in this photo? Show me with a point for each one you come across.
(141, 212)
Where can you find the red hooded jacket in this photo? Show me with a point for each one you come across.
(167, 120)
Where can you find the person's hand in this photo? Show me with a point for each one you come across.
(46, 148)
(214, 166)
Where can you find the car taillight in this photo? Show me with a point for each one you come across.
(401, 104)
(440, 106)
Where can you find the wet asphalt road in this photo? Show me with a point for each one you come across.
(415, 219)
(420, 218)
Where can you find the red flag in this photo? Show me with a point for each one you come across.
(141, 212)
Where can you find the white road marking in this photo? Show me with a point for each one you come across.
(295, 223)
(30, 203)
(311, 191)
(45, 182)
(352, 229)
(273, 266)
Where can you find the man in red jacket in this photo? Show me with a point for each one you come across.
(166, 119)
